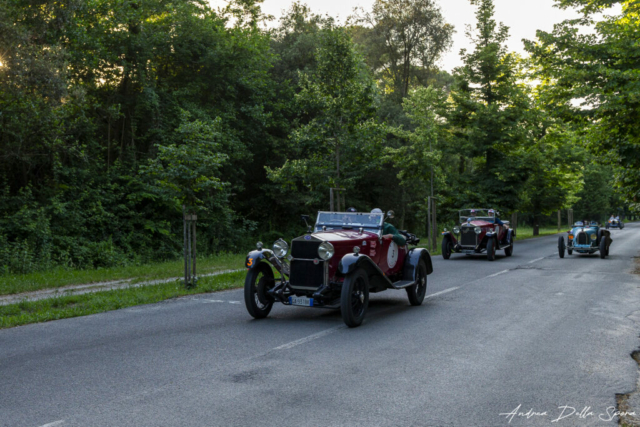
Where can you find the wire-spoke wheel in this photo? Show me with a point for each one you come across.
(354, 299)
(491, 249)
(417, 292)
(259, 280)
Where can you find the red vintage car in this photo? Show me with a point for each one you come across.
(480, 231)
(336, 264)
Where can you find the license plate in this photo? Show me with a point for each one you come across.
(302, 301)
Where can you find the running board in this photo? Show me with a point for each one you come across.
(403, 284)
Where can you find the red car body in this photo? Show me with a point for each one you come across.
(341, 259)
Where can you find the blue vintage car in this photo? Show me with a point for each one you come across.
(586, 238)
(615, 223)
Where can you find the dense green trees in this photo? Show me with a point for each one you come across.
(115, 113)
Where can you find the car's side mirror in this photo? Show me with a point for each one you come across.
(391, 214)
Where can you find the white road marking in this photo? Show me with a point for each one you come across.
(499, 273)
(326, 332)
(55, 423)
(210, 300)
(309, 338)
(535, 260)
(446, 291)
(234, 302)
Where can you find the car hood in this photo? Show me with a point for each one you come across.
(344, 235)
(479, 223)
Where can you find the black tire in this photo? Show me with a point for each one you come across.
(491, 249)
(603, 248)
(561, 246)
(417, 292)
(599, 239)
(570, 251)
(354, 298)
(258, 281)
(509, 251)
(447, 247)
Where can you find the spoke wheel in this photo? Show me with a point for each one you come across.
(259, 280)
(354, 299)
(417, 292)
(491, 249)
(447, 248)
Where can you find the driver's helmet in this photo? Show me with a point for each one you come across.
(492, 212)
(376, 211)
(352, 210)
(473, 212)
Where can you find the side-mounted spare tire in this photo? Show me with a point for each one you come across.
(354, 298)
(561, 246)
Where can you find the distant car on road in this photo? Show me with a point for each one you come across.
(615, 223)
(336, 264)
(480, 231)
(585, 238)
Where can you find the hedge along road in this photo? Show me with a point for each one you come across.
(530, 330)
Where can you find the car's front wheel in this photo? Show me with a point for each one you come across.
(561, 246)
(491, 249)
(417, 292)
(354, 298)
(258, 281)
(603, 248)
(509, 251)
(447, 247)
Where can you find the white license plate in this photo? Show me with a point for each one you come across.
(305, 302)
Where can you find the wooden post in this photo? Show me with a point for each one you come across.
(186, 271)
(435, 225)
(331, 200)
(429, 228)
(514, 221)
(195, 253)
(559, 220)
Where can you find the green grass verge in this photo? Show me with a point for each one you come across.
(64, 307)
(524, 233)
(17, 283)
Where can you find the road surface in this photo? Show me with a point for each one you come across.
(531, 333)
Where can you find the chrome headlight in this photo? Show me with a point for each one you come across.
(594, 237)
(326, 251)
(456, 230)
(280, 248)
(478, 230)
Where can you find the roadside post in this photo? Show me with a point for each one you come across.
(570, 217)
(190, 251)
(514, 222)
(559, 220)
(337, 194)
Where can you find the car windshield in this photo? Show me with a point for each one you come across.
(350, 220)
(477, 214)
(579, 224)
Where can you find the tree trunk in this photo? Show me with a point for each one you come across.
(536, 225)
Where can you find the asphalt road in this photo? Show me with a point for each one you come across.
(531, 330)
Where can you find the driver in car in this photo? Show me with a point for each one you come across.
(390, 232)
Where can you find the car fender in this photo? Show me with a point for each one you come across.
(350, 262)
(412, 260)
(449, 235)
(254, 258)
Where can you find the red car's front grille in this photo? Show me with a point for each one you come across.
(468, 236)
(306, 274)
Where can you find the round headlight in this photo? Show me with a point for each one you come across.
(478, 230)
(594, 237)
(326, 251)
(280, 248)
(456, 230)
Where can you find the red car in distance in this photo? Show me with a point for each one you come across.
(480, 231)
(336, 264)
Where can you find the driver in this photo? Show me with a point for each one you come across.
(495, 217)
(390, 232)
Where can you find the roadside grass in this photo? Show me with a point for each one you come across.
(59, 277)
(63, 307)
(523, 233)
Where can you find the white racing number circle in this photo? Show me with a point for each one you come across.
(392, 255)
